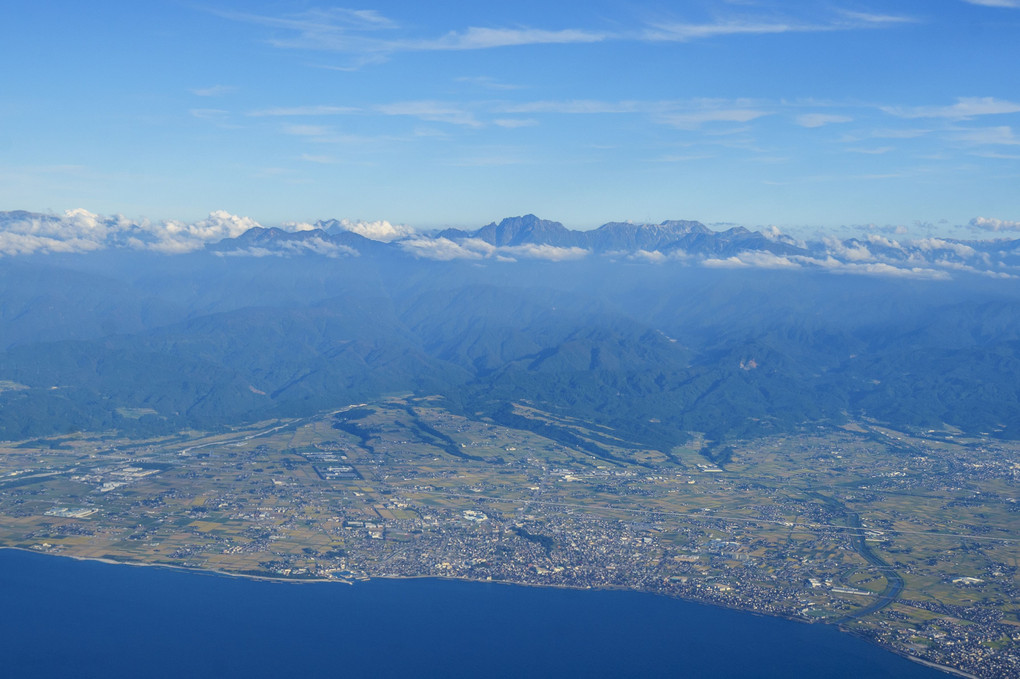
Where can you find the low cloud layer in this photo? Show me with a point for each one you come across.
(79, 230)
(379, 230)
(444, 249)
(875, 252)
(312, 246)
(989, 224)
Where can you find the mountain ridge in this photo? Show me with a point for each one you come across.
(523, 237)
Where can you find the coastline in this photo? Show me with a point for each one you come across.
(186, 569)
(950, 670)
(303, 581)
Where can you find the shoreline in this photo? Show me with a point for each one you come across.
(316, 580)
(186, 569)
(950, 670)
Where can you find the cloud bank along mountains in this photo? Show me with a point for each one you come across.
(526, 237)
(654, 331)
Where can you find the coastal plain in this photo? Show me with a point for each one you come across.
(908, 538)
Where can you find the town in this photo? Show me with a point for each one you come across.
(906, 538)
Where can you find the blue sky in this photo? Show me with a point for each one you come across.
(797, 114)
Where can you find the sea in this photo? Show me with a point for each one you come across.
(61, 617)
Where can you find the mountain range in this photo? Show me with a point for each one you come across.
(516, 238)
(655, 332)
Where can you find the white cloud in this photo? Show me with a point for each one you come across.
(936, 244)
(328, 29)
(486, 38)
(877, 151)
(218, 225)
(84, 229)
(695, 119)
(442, 249)
(681, 32)
(495, 159)
(996, 155)
(174, 236)
(855, 252)
(768, 260)
(304, 111)
(728, 263)
(819, 119)
(957, 266)
(79, 230)
(991, 224)
(432, 111)
(684, 114)
(474, 248)
(895, 229)
(84, 220)
(214, 91)
(487, 82)
(480, 246)
(835, 265)
(548, 252)
(25, 244)
(308, 130)
(996, 136)
(581, 106)
(653, 256)
(879, 269)
(209, 113)
(369, 37)
(760, 260)
(684, 32)
(884, 134)
(688, 114)
(320, 159)
(965, 107)
(298, 226)
(298, 247)
(681, 158)
(1013, 4)
(378, 230)
(871, 18)
(876, 239)
(513, 123)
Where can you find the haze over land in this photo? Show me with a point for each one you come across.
(658, 330)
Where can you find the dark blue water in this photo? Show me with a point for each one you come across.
(66, 618)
